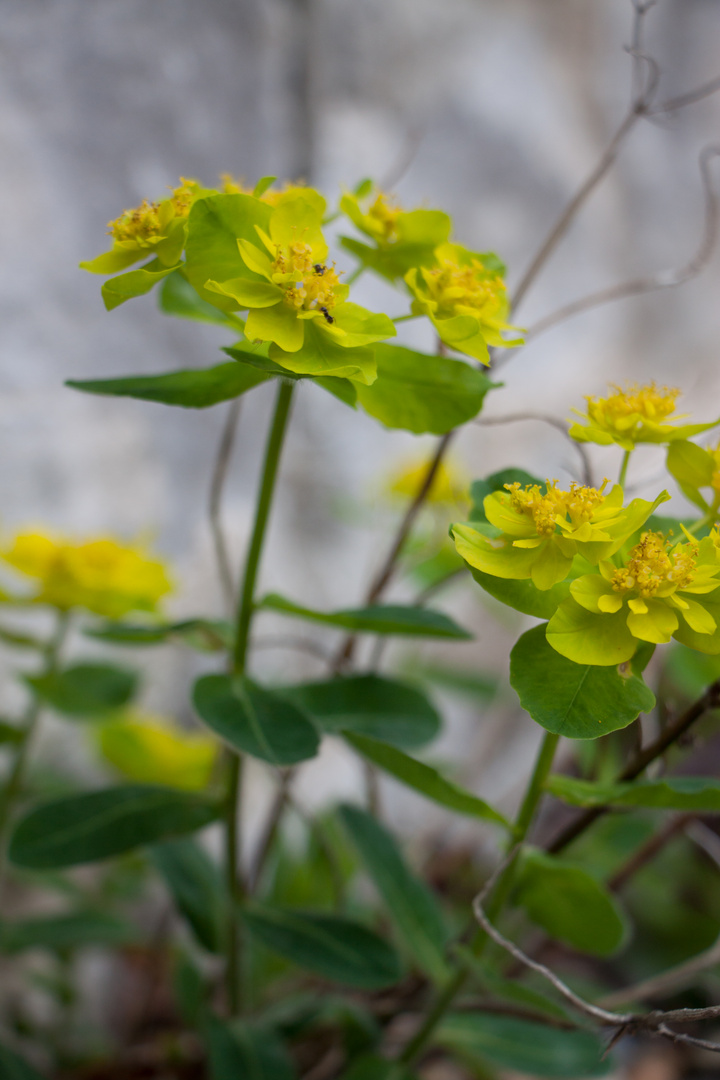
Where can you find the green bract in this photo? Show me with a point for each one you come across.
(632, 415)
(694, 468)
(464, 296)
(660, 592)
(540, 532)
(297, 302)
(402, 239)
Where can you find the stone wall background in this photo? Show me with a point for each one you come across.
(508, 104)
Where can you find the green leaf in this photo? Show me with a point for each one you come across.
(372, 1067)
(524, 1045)
(569, 904)
(424, 778)
(190, 388)
(522, 594)
(403, 620)
(21, 641)
(13, 1067)
(86, 690)
(507, 989)
(196, 887)
(255, 721)
(414, 910)
(178, 297)
(335, 948)
(124, 287)
(382, 708)
(10, 733)
(63, 933)
(214, 227)
(578, 701)
(205, 635)
(420, 393)
(244, 1051)
(79, 829)
(701, 793)
(320, 354)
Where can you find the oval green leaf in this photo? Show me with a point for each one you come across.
(99, 824)
(86, 690)
(190, 388)
(335, 948)
(413, 908)
(401, 620)
(385, 709)
(196, 886)
(424, 779)
(63, 933)
(422, 394)
(700, 793)
(578, 701)
(244, 1050)
(526, 1046)
(569, 904)
(255, 721)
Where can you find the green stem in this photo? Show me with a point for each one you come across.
(13, 787)
(405, 318)
(262, 512)
(497, 900)
(244, 616)
(624, 468)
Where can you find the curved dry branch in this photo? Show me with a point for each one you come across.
(664, 279)
(559, 425)
(655, 1022)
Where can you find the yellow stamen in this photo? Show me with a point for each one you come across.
(651, 566)
(579, 503)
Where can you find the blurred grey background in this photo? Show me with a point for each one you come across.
(495, 110)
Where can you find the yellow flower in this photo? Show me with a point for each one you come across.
(151, 229)
(100, 575)
(660, 591)
(635, 414)
(465, 297)
(154, 750)
(233, 186)
(538, 533)
(449, 487)
(401, 238)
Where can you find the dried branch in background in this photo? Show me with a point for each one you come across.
(217, 485)
(665, 279)
(625, 1023)
(559, 425)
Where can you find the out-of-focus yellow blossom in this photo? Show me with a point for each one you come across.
(151, 229)
(272, 196)
(154, 750)
(401, 238)
(464, 295)
(101, 575)
(540, 532)
(449, 487)
(634, 414)
(661, 591)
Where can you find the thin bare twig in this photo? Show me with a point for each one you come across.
(406, 157)
(647, 851)
(389, 566)
(661, 985)
(640, 761)
(289, 641)
(222, 462)
(559, 425)
(655, 1022)
(272, 824)
(682, 100)
(665, 279)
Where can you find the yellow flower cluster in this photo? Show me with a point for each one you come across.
(635, 414)
(467, 290)
(149, 220)
(308, 285)
(578, 504)
(650, 568)
(99, 575)
(381, 219)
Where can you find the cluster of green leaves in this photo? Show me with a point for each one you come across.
(325, 928)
